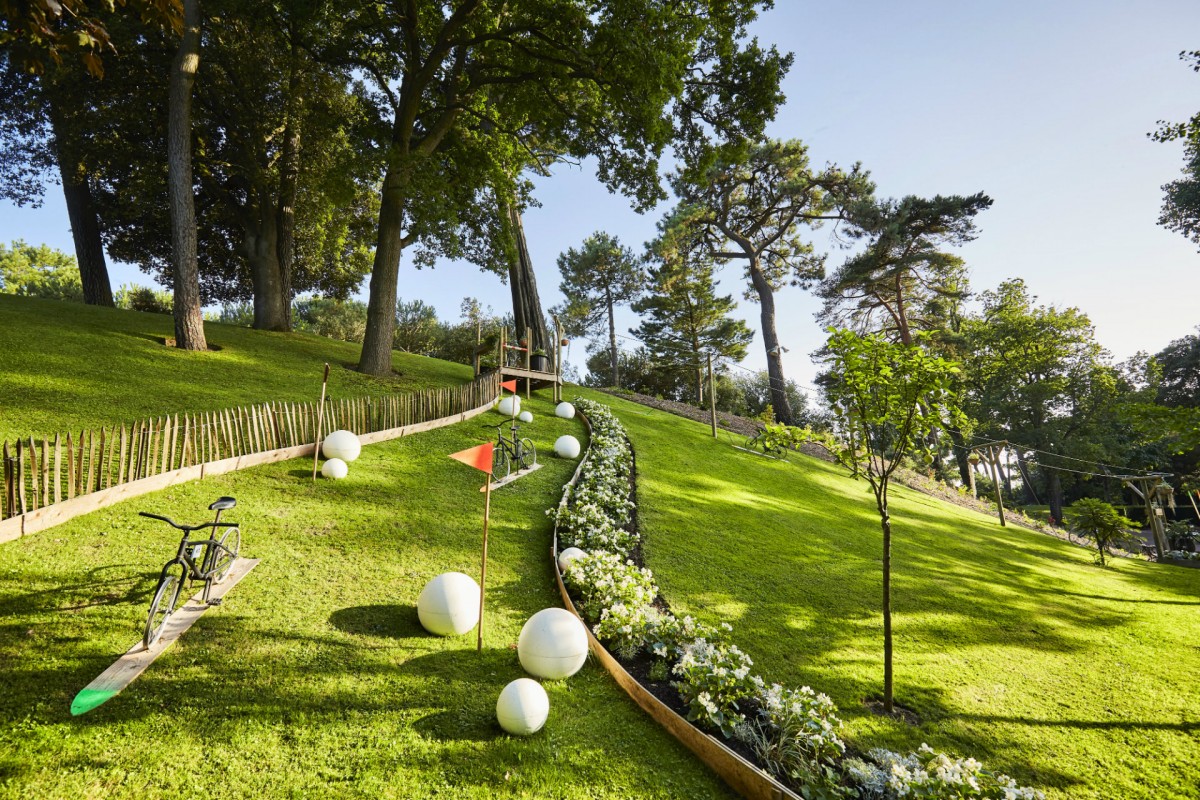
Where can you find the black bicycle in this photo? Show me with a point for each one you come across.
(511, 450)
(207, 560)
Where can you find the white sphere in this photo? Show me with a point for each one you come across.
(449, 604)
(522, 707)
(525, 416)
(567, 556)
(341, 444)
(566, 446)
(565, 410)
(553, 644)
(335, 468)
(509, 406)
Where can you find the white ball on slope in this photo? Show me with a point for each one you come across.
(523, 707)
(567, 446)
(509, 406)
(525, 416)
(341, 444)
(567, 556)
(553, 644)
(335, 468)
(565, 410)
(449, 604)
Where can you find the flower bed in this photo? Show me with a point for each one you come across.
(794, 734)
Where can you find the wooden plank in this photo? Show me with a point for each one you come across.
(59, 513)
(183, 454)
(135, 447)
(152, 446)
(105, 458)
(70, 467)
(137, 658)
(34, 494)
(20, 477)
(164, 455)
(45, 471)
(512, 476)
(12, 528)
(91, 478)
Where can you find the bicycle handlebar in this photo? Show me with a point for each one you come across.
(187, 528)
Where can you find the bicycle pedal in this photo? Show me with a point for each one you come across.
(216, 602)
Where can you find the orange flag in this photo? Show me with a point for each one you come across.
(510, 385)
(478, 457)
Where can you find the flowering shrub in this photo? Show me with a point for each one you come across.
(795, 734)
(713, 678)
(604, 580)
(624, 627)
(885, 775)
(1183, 555)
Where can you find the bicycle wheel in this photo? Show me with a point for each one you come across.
(230, 544)
(167, 598)
(528, 454)
(501, 463)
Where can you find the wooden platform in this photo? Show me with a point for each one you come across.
(137, 658)
(530, 374)
(512, 476)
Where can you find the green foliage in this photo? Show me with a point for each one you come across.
(1099, 522)
(416, 327)
(39, 271)
(1181, 201)
(344, 320)
(144, 298)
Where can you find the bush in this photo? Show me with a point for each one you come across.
(338, 319)
(1101, 523)
(39, 271)
(143, 298)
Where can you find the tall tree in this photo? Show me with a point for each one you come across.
(887, 397)
(189, 321)
(1181, 201)
(597, 278)
(752, 203)
(481, 80)
(685, 322)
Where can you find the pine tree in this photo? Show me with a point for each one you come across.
(685, 321)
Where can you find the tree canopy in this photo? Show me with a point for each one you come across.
(1181, 201)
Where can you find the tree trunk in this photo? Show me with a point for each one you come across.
(261, 246)
(85, 222)
(189, 322)
(960, 454)
(613, 355)
(885, 522)
(289, 175)
(527, 307)
(1054, 494)
(766, 303)
(376, 358)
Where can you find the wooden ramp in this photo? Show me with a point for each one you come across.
(512, 476)
(137, 658)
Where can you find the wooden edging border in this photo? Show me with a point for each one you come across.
(742, 776)
(58, 513)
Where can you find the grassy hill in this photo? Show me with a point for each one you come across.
(1013, 647)
(70, 366)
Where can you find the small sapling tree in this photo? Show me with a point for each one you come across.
(1100, 523)
(887, 397)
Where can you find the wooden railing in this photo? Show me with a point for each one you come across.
(41, 473)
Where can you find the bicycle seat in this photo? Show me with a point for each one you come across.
(223, 504)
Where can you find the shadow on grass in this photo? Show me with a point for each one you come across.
(389, 621)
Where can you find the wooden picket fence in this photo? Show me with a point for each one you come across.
(40, 473)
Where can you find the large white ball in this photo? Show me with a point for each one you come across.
(565, 410)
(553, 644)
(567, 556)
(341, 444)
(525, 416)
(509, 406)
(335, 468)
(523, 707)
(449, 604)
(566, 446)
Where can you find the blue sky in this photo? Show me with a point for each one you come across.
(1044, 106)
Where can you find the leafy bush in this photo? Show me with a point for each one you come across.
(713, 678)
(795, 734)
(144, 298)
(885, 775)
(39, 271)
(338, 319)
(1101, 523)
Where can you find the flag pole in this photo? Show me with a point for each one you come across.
(320, 421)
(487, 513)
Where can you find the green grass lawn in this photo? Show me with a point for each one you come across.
(1011, 646)
(314, 677)
(67, 366)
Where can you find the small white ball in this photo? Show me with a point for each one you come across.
(553, 644)
(567, 446)
(335, 468)
(567, 556)
(509, 406)
(341, 444)
(565, 410)
(525, 416)
(449, 604)
(523, 707)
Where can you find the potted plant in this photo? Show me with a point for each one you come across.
(539, 361)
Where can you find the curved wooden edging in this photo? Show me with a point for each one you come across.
(742, 776)
(58, 513)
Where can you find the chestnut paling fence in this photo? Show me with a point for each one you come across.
(41, 473)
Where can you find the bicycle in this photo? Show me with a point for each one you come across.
(507, 451)
(188, 565)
